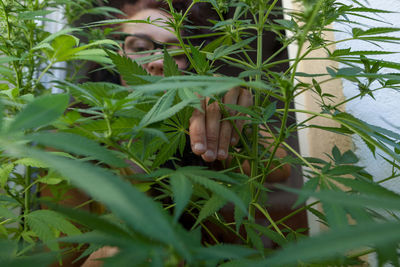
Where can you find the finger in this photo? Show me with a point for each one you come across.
(245, 100)
(197, 130)
(213, 117)
(225, 134)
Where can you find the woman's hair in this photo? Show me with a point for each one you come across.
(199, 15)
(130, 7)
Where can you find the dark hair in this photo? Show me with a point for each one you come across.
(199, 15)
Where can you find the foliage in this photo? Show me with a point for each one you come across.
(49, 142)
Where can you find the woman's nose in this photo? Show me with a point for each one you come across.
(156, 68)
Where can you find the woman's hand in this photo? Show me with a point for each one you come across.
(209, 136)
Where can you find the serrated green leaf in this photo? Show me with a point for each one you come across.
(162, 104)
(370, 134)
(51, 180)
(317, 87)
(170, 66)
(42, 111)
(97, 55)
(332, 243)
(229, 49)
(33, 15)
(155, 133)
(199, 59)
(31, 163)
(8, 199)
(224, 252)
(344, 169)
(165, 154)
(53, 220)
(245, 194)
(350, 200)
(388, 254)
(130, 71)
(63, 47)
(379, 30)
(5, 171)
(91, 220)
(182, 191)
(331, 72)
(348, 157)
(78, 145)
(350, 71)
(138, 210)
(8, 59)
(288, 24)
(310, 185)
(274, 236)
(218, 189)
(255, 239)
(163, 109)
(53, 36)
(214, 204)
(367, 9)
(367, 187)
(341, 52)
(335, 215)
(6, 213)
(201, 171)
(45, 223)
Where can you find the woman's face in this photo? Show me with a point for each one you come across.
(145, 37)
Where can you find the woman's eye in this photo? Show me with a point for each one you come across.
(140, 49)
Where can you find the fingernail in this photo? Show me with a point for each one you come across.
(209, 154)
(199, 147)
(221, 153)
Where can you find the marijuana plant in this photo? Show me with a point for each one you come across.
(146, 123)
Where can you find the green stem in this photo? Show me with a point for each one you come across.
(294, 213)
(179, 35)
(109, 128)
(282, 134)
(14, 64)
(5, 221)
(303, 39)
(132, 157)
(269, 218)
(43, 73)
(27, 195)
(300, 157)
(271, 7)
(283, 48)
(254, 163)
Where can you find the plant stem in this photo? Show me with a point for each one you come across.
(179, 35)
(27, 195)
(254, 163)
(282, 134)
(14, 64)
(132, 157)
(294, 213)
(303, 39)
(43, 73)
(300, 157)
(266, 214)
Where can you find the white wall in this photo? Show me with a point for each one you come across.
(59, 73)
(385, 110)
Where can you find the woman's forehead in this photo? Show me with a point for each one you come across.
(155, 32)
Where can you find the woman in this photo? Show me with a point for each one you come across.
(210, 137)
